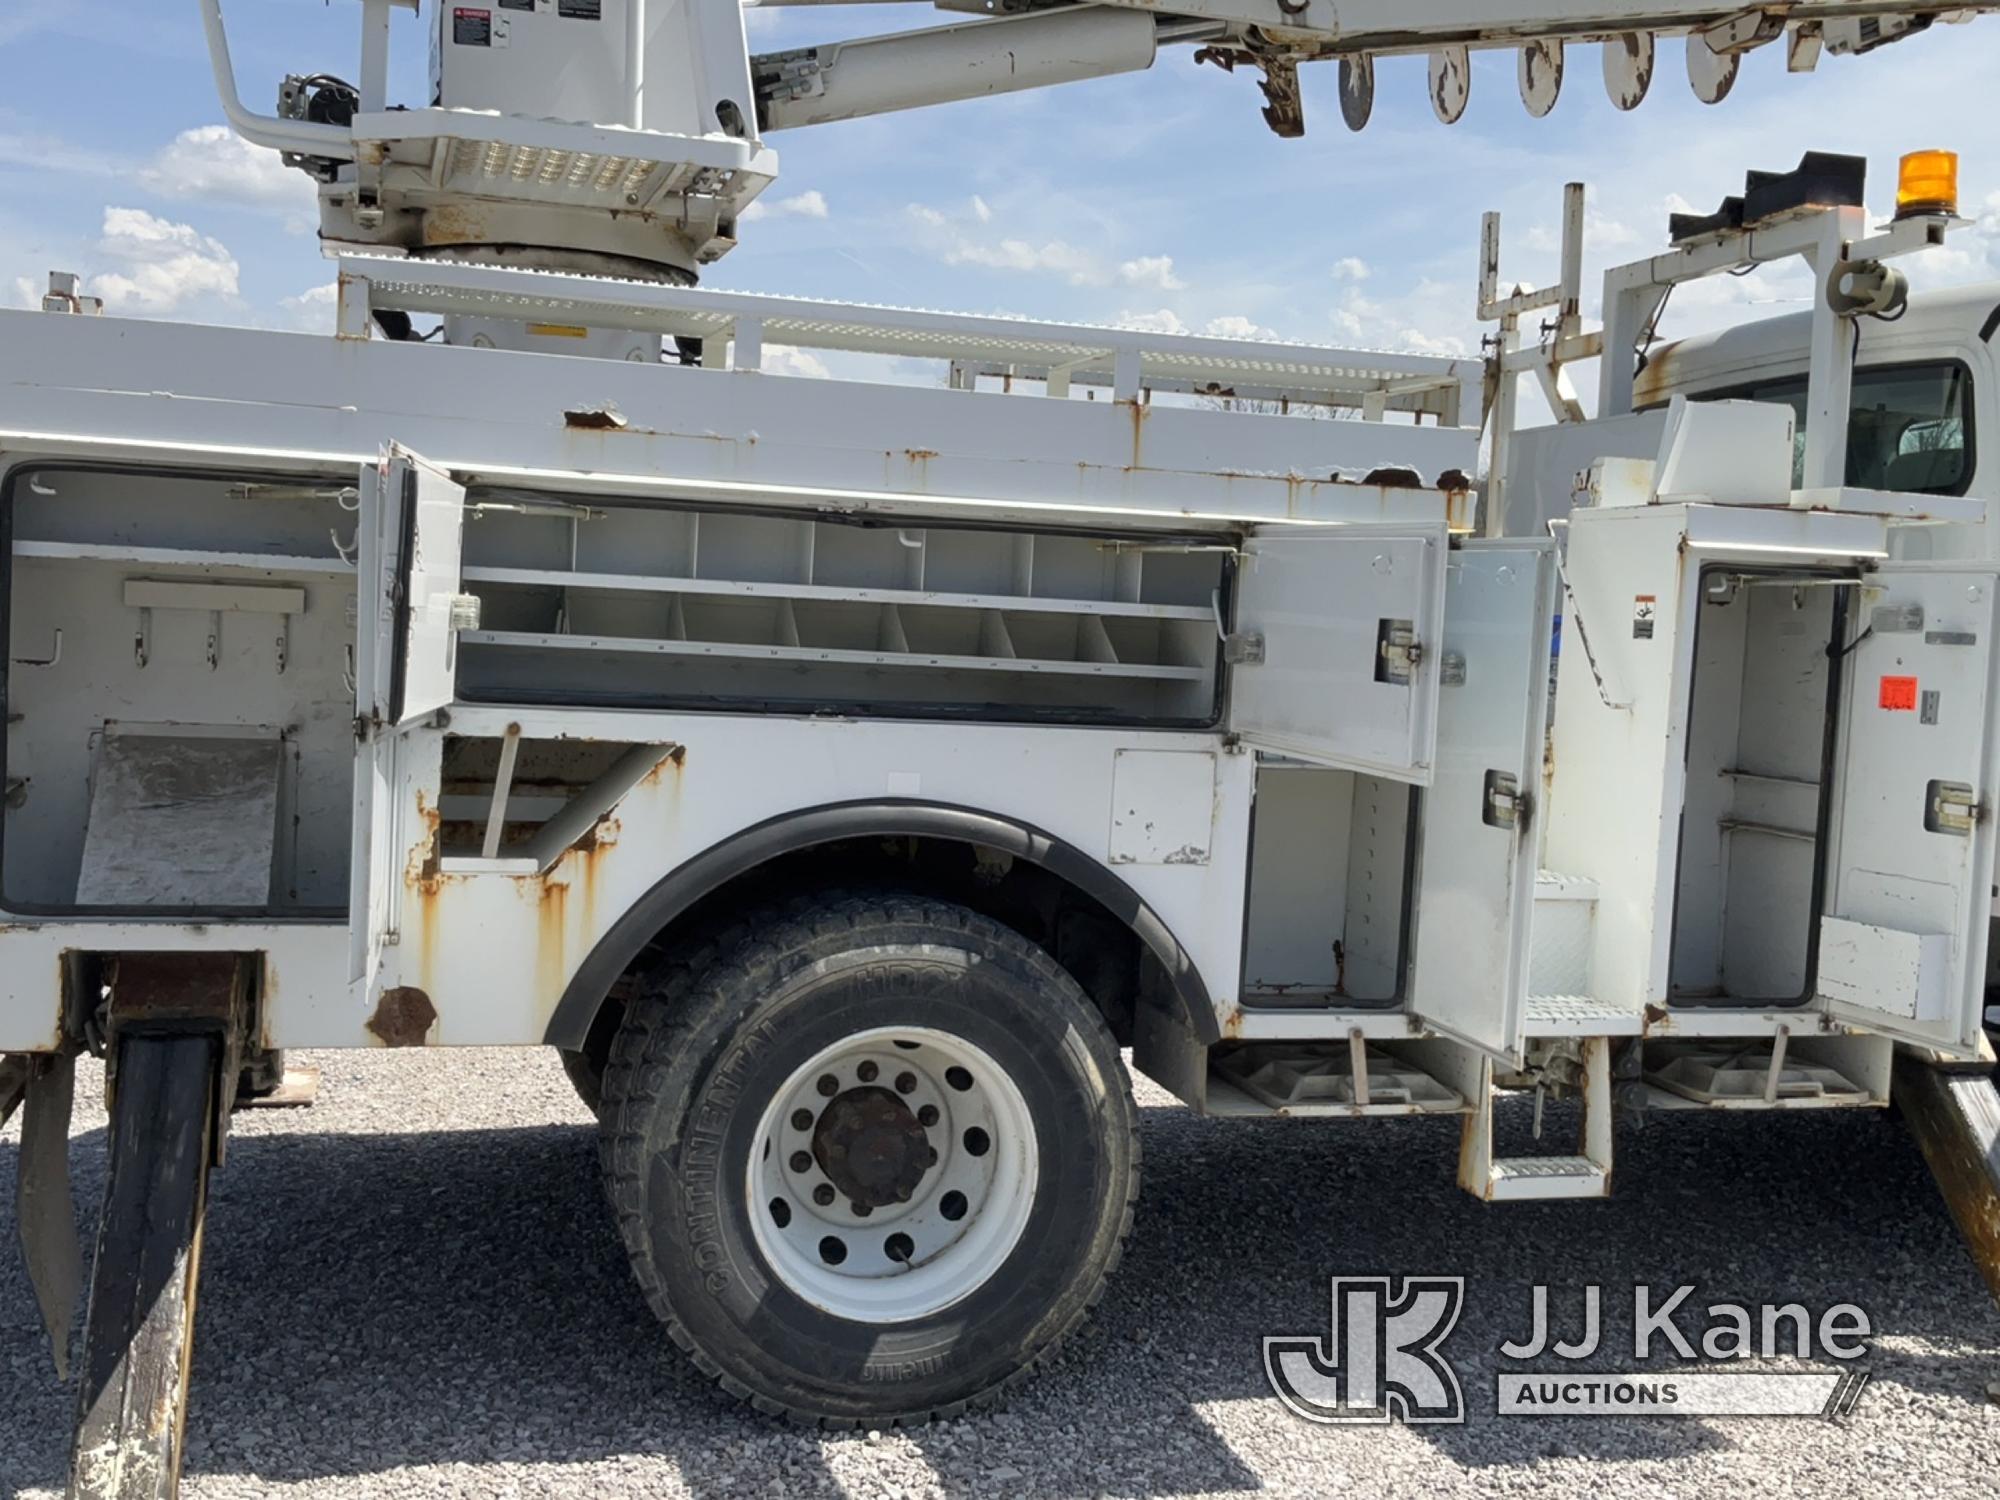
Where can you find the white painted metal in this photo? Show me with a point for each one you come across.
(1476, 871)
(909, 1259)
(426, 518)
(913, 69)
(851, 445)
(1903, 951)
(1314, 610)
(1162, 807)
(1541, 75)
(1451, 82)
(1628, 67)
(1711, 74)
(1438, 386)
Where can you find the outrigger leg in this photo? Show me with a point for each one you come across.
(177, 1023)
(1954, 1112)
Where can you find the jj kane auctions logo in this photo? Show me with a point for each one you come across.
(1382, 1359)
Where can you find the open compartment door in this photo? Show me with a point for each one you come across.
(411, 524)
(1335, 648)
(1475, 881)
(1903, 928)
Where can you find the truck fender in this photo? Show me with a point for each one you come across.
(789, 832)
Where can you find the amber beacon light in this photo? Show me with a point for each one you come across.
(1927, 183)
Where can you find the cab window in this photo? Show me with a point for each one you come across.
(1910, 429)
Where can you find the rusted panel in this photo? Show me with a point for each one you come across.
(403, 1017)
(175, 987)
(1955, 1117)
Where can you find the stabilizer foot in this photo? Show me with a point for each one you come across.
(133, 1403)
(1955, 1117)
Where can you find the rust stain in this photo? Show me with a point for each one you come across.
(551, 936)
(420, 867)
(1140, 411)
(403, 1017)
(1653, 383)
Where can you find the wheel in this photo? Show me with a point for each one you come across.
(872, 1161)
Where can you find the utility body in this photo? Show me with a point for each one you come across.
(842, 773)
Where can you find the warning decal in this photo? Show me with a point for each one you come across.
(580, 10)
(1644, 608)
(471, 28)
(1899, 694)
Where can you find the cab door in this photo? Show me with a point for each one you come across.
(1903, 927)
(1475, 881)
(1334, 654)
(409, 611)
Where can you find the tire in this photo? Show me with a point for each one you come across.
(586, 1077)
(1007, 1085)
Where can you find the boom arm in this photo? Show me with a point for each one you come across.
(634, 148)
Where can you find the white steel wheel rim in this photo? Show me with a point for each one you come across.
(966, 1211)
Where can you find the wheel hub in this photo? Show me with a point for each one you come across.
(871, 1147)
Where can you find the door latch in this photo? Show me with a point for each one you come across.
(1398, 652)
(1504, 804)
(1244, 648)
(1951, 807)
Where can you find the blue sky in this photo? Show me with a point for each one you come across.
(1157, 199)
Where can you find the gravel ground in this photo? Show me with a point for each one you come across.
(413, 1289)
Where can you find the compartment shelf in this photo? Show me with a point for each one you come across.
(731, 588)
(746, 651)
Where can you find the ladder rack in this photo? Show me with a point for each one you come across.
(1132, 363)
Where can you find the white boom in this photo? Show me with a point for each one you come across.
(626, 136)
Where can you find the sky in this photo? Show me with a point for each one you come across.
(1156, 200)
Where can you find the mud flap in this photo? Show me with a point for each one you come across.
(1955, 1116)
(133, 1402)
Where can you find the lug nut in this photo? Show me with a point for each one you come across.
(861, 1210)
(828, 1085)
(802, 1119)
(866, 1072)
(802, 1161)
(928, 1115)
(906, 1083)
(823, 1195)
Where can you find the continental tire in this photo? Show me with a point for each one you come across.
(872, 1160)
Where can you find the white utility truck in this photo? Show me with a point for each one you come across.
(841, 773)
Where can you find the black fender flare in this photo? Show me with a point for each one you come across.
(789, 832)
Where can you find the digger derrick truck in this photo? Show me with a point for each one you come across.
(840, 774)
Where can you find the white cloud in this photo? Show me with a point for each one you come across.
(961, 241)
(1236, 326)
(311, 311)
(784, 359)
(1163, 320)
(159, 264)
(216, 165)
(1350, 268)
(1155, 271)
(806, 205)
(26, 293)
